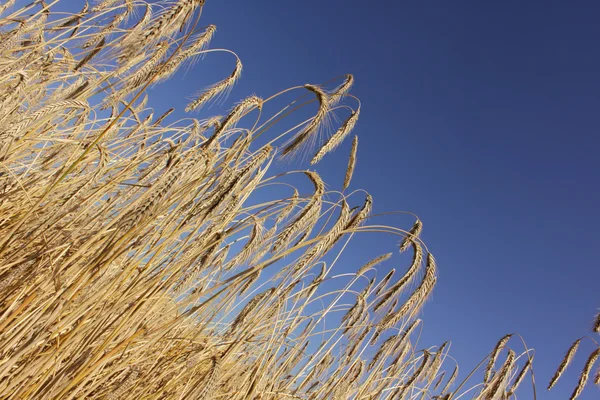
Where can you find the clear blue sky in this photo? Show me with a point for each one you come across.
(482, 118)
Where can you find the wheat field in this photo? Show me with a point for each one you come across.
(141, 259)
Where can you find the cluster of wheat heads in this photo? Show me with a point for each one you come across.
(154, 261)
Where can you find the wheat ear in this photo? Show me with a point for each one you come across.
(217, 89)
(351, 163)
(495, 353)
(338, 137)
(496, 390)
(564, 363)
(585, 373)
(451, 380)
(413, 235)
(339, 92)
(396, 289)
(520, 377)
(418, 297)
(314, 124)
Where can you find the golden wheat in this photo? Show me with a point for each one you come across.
(146, 256)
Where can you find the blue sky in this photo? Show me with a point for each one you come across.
(480, 117)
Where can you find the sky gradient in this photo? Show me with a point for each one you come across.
(481, 118)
